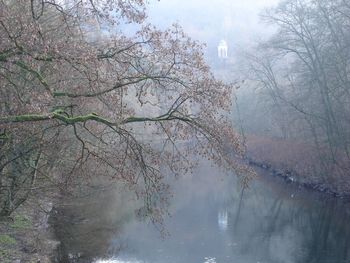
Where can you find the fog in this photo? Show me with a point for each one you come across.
(101, 92)
(211, 21)
(290, 60)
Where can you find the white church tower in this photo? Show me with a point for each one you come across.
(222, 49)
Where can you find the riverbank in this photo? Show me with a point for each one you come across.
(297, 163)
(26, 235)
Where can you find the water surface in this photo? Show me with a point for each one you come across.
(212, 221)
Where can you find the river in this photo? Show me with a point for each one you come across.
(211, 221)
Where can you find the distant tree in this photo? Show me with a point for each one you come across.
(304, 69)
(80, 95)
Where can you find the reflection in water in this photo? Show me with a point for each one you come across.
(213, 221)
(222, 220)
(239, 207)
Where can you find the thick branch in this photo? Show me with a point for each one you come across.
(89, 117)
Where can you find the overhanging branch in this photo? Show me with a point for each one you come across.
(59, 115)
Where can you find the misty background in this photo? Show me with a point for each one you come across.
(290, 61)
(208, 21)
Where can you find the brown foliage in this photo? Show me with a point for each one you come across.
(100, 102)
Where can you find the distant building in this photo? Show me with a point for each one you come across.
(222, 49)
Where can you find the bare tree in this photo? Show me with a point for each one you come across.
(83, 97)
(304, 69)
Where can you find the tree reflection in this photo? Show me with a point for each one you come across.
(87, 225)
(281, 228)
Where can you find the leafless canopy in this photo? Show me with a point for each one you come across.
(82, 96)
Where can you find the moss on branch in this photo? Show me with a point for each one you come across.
(60, 115)
(24, 118)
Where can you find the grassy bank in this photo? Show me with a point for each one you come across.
(25, 236)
